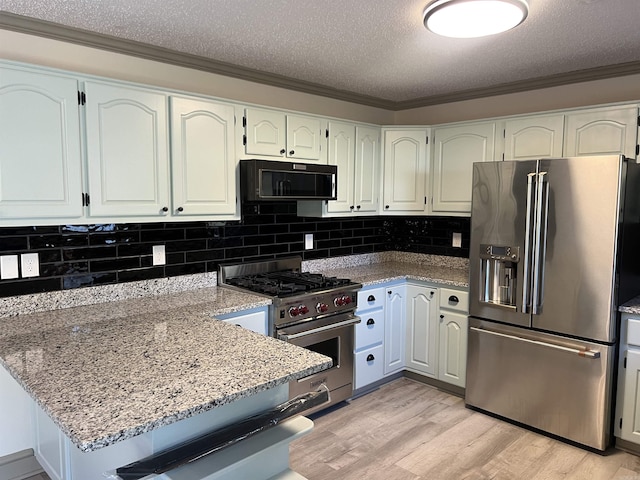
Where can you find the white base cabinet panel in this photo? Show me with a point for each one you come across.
(394, 329)
(422, 330)
(255, 320)
(16, 410)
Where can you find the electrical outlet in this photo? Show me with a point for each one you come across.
(8, 266)
(29, 265)
(456, 242)
(308, 241)
(159, 257)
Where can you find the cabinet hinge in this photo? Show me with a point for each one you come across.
(503, 157)
(625, 362)
(425, 200)
(82, 98)
(427, 139)
(244, 121)
(637, 150)
(85, 199)
(244, 139)
(326, 133)
(504, 133)
(639, 121)
(620, 422)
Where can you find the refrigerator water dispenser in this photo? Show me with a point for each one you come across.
(498, 274)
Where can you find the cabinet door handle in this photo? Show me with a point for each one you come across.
(441, 317)
(389, 292)
(371, 298)
(431, 293)
(371, 321)
(386, 206)
(370, 358)
(283, 151)
(453, 299)
(165, 209)
(351, 207)
(180, 209)
(358, 207)
(291, 152)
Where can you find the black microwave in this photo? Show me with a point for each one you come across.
(274, 180)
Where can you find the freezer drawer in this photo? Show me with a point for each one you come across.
(558, 385)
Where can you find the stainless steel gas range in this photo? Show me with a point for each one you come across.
(309, 310)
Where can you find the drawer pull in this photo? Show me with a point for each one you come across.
(371, 298)
(453, 299)
(370, 321)
(370, 358)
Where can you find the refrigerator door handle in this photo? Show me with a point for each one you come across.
(529, 226)
(580, 352)
(540, 242)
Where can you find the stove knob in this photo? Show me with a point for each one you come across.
(347, 299)
(294, 311)
(303, 309)
(322, 307)
(337, 301)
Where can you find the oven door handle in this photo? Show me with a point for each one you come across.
(331, 326)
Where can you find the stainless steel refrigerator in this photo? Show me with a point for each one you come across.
(553, 253)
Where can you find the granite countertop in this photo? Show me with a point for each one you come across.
(108, 372)
(632, 306)
(390, 271)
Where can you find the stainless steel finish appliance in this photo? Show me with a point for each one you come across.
(309, 310)
(552, 255)
(276, 180)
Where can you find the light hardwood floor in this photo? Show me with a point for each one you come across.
(410, 431)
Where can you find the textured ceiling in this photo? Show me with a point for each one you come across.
(374, 48)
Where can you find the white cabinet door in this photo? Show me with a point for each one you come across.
(452, 361)
(405, 171)
(422, 330)
(630, 427)
(127, 151)
(367, 183)
(203, 160)
(342, 153)
(602, 131)
(40, 160)
(455, 151)
(535, 137)
(394, 330)
(265, 132)
(304, 137)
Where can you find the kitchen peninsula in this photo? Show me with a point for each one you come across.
(122, 380)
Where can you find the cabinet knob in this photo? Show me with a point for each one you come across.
(351, 207)
(431, 293)
(389, 292)
(358, 207)
(371, 298)
(453, 299)
(180, 209)
(386, 206)
(370, 358)
(283, 151)
(371, 321)
(165, 209)
(291, 152)
(441, 317)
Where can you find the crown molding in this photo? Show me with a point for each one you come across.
(42, 28)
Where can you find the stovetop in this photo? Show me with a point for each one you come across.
(287, 283)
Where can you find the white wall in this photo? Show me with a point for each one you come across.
(66, 56)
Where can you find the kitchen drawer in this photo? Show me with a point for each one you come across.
(633, 332)
(368, 366)
(370, 298)
(448, 296)
(370, 330)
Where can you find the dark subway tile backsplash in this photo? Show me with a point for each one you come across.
(75, 256)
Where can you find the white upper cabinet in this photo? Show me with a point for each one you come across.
(342, 148)
(534, 137)
(405, 172)
(40, 155)
(273, 133)
(203, 160)
(455, 150)
(602, 131)
(367, 167)
(127, 151)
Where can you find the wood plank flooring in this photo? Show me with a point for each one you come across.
(410, 431)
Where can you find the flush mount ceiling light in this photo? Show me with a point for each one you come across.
(474, 18)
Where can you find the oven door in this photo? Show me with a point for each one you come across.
(331, 336)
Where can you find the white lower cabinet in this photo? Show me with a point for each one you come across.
(369, 337)
(254, 320)
(453, 325)
(422, 330)
(394, 329)
(627, 419)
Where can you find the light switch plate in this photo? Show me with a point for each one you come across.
(457, 240)
(8, 266)
(159, 257)
(308, 241)
(29, 265)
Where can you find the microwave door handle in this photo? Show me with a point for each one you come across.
(540, 244)
(333, 185)
(529, 225)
